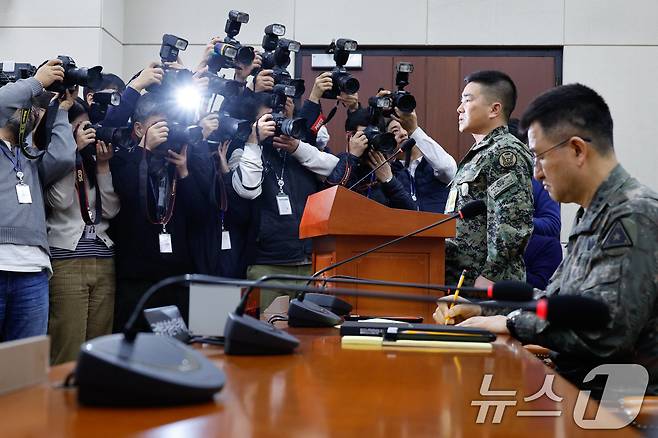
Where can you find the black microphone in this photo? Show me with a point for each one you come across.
(405, 147)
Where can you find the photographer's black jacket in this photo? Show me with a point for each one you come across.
(431, 194)
(138, 254)
(350, 169)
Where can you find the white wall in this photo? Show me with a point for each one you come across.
(611, 45)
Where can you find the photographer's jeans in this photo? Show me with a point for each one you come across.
(23, 304)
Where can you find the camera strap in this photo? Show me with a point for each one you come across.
(223, 206)
(25, 116)
(331, 114)
(282, 199)
(22, 190)
(167, 198)
(83, 199)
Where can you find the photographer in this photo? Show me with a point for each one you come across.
(429, 169)
(360, 159)
(24, 257)
(278, 173)
(81, 205)
(158, 200)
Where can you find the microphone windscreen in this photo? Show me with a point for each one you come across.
(577, 312)
(408, 144)
(512, 290)
(473, 209)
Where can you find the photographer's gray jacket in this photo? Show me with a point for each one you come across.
(25, 224)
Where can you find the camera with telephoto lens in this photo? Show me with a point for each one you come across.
(402, 99)
(110, 135)
(230, 53)
(74, 75)
(179, 134)
(378, 139)
(229, 128)
(100, 102)
(276, 57)
(13, 71)
(295, 127)
(341, 79)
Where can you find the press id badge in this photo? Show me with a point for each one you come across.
(90, 232)
(165, 243)
(23, 193)
(283, 202)
(452, 199)
(226, 240)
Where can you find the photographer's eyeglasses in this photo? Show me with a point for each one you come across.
(536, 158)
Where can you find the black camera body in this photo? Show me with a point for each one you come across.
(225, 87)
(229, 129)
(74, 75)
(180, 134)
(276, 57)
(378, 139)
(230, 53)
(402, 99)
(172, 79)
(295, 127)
(342, 80)
(13, 71)
(110, 135)
(101, 101)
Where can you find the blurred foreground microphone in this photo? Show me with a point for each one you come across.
(308, 314)
(405, 147)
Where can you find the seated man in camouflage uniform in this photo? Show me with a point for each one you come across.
(498, 170)
(613, 246)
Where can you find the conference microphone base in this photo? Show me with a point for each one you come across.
(330, 302)
(307, 314)
(153, 370)
(244, 335)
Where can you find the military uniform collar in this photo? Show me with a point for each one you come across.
(489, 139)
(601, 198)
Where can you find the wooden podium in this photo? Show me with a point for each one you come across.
(343, 223)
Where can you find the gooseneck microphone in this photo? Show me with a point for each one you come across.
(405, 147)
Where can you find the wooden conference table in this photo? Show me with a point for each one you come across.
(324, 390)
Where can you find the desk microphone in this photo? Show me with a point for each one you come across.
(303, 314)
(405, 147)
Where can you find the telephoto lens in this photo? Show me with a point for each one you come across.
(74, 75)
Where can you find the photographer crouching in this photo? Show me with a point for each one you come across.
(24, 257)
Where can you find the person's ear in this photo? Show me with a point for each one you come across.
(89, 98)
(581, 149)
(495, 110)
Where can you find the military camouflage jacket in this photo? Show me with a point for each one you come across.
(612, 257)
(497, 170)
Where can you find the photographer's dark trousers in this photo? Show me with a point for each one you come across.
(129, 292)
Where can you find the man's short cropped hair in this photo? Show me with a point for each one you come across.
(149, 104)
(498, 86)
(573, 109)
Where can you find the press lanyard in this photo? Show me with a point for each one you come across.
(279, 180)
(282, 200)
(83, 198)
(22, 190)
(412, 189)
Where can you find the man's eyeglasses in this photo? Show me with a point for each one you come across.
(537, 157)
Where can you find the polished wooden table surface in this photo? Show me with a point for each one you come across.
(324, 390)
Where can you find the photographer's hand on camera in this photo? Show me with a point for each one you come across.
(322, 83)
(285, 143)
(264, 127)
(104, 152)
(409, 121)
(222, 151)
(351, 101)
(180, 161)
(243, 71)
(207, 52)
(358, 144)
(156, 135)
(50, 72)
(68, 99)
(209, 124)
(84, 135)
(201, 82)
(384, 174)
(152, 74)
(264, 81)
(289, 108)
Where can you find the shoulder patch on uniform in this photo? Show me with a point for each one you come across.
(507, 159)
(502, 184)
(617, 237)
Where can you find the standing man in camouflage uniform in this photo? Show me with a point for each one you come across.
(497, 169)
(613, 247)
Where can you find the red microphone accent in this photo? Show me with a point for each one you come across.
(542, 309)
(461, 215)
(490, 291)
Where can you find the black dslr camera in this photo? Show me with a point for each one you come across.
(229, 128)
(276, 57)
(100, 102)
(295, 127)
(116, 136)
(402, 99)
(378, 139)
(173, 78)
(342, 80)
(230, 53)
(74, 75)
(12, 71)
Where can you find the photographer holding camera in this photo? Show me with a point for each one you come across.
(363, 156)
(278, 172)
(24, 256)
(81, 205)
(158, 201)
